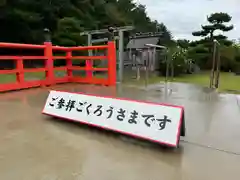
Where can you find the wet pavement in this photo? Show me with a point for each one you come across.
(35, 147)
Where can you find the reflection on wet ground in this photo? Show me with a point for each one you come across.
(36, 147)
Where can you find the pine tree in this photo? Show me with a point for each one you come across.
(216, 23)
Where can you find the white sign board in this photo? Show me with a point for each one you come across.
(154, 122)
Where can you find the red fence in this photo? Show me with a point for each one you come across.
(48, 58)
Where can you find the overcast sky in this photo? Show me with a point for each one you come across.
(182, 17)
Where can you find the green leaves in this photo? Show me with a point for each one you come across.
(200, 33)
(202, 49)
(218, 18)
(68, 32)
(216, 21)
(23, 21)
(183, 43)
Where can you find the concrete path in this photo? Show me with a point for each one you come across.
(35, 147)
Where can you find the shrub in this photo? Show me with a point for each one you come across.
(177, 59)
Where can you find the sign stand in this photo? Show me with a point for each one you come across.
(183, 128)
(159, 123)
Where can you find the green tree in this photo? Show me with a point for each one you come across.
(166, 37)
(68, 32)
(66, 18)
(183, 43)
(216, 23)
(23, 21)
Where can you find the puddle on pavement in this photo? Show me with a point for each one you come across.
(34, 146)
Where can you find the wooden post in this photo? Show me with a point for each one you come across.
(120, 56)
(111, 63)
(167, 58)
(147, 64)
(89, 66)
(213, 65)
(20, 73)
(89, 63)
(49, 63)
(69, 65)
(172, 68)
(218, 68)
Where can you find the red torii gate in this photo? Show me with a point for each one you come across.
(49, 68)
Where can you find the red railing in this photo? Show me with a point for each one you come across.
(49, 68)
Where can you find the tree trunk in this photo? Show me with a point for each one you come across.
(209, 63)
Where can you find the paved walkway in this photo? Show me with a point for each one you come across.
(34, 147)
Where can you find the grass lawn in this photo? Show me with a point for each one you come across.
(9, 78)
(228, 81)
